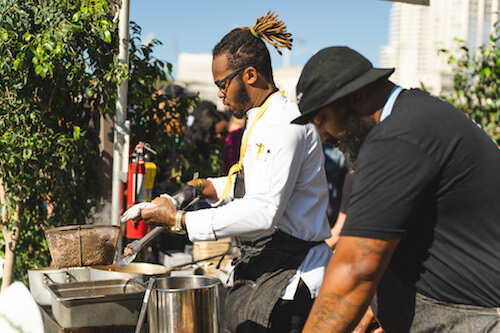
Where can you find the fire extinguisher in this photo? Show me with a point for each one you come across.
(140, 181)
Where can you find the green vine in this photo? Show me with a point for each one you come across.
(476, 78)
(58, 76)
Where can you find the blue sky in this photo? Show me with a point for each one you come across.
(197, 26)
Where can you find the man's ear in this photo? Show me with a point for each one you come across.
(357, 98)
(250, 75)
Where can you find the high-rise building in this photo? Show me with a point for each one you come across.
(417, 33)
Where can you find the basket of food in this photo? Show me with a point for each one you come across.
(82, 245)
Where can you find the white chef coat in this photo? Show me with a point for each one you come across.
(285, 187)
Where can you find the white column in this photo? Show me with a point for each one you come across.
(120, 130)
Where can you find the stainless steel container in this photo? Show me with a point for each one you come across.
(41, 277)
(96, 303)
(185, 304)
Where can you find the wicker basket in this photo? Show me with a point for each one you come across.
(82, 245)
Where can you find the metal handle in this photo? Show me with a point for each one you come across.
(145, 302)
(137, 245)
(173, 268)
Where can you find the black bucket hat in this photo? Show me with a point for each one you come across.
(330, 74)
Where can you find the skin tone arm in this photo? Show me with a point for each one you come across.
(332, 241)
(350, 282)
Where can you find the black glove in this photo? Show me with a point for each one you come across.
(184, 195)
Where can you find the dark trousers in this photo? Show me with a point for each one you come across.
(290, 316)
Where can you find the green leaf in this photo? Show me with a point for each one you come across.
(76, 132)
(486, 72)
(107, 36)
(27, 36)
(49, 46)
(17, 62)
(38, 69)
(27, 153)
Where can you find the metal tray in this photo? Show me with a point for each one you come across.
(39, 278)
(96, 303)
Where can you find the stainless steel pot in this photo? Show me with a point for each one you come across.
(185, 304)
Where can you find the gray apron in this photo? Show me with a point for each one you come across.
(262, 272)
(400, 309)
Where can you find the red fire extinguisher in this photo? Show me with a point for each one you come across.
(140, 181)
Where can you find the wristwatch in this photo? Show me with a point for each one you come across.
(178, 228)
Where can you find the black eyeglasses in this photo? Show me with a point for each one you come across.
(223, 87)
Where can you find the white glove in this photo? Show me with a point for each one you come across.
(134, 212)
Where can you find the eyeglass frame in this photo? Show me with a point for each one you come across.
(230, 77)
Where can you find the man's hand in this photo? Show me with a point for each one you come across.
(337, 228)
(367, 322)
(162, 214)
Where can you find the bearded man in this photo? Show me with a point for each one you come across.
(421, 238)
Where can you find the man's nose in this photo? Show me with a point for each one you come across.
(221, 94)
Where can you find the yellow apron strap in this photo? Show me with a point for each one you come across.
(239, 166)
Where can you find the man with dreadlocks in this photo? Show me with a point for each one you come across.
(279, 212)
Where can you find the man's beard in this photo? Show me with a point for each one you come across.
(356, 127)
(241, 98)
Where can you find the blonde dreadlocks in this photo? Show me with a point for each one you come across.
(273, 31)
(246, 46)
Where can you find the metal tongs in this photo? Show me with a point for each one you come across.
(139, 244)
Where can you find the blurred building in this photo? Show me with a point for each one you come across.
(195, 71)
(417, 2)
(417, 33)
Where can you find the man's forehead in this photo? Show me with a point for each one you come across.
(220, 62)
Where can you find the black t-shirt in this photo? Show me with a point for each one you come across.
(346, 192)
(429, 176)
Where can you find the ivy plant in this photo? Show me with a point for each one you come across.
(476, 79)
(58, 76)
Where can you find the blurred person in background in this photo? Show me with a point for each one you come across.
(231, 148)
(204, 140)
